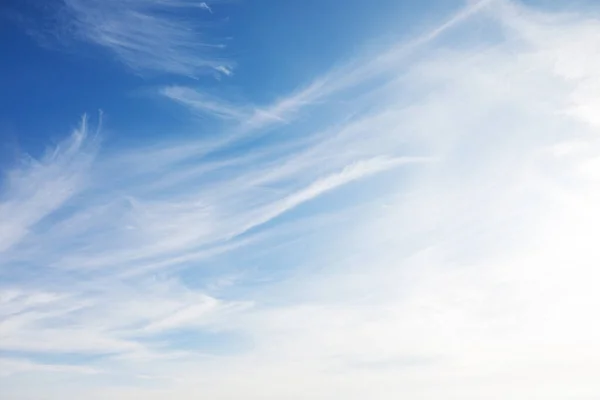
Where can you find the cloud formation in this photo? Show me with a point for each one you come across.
(149, 35)
(434, 235)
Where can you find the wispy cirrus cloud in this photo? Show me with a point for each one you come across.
(462, 258)
(248, 117)
(340, 80)
(149, 35)
(204, 103)
(39, 187)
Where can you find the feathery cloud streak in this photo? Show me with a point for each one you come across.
(149, 35)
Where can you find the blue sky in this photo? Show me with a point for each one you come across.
(289, 199)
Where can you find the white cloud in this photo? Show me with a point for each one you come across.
(350, 173)
(37, 188)
(476, 280)
(149, 35)
(224, 70)
(203, 103)
(205, 6)
(341, 79)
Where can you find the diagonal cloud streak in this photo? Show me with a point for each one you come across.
(146, 35)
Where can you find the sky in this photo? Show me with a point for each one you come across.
(263, 199)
